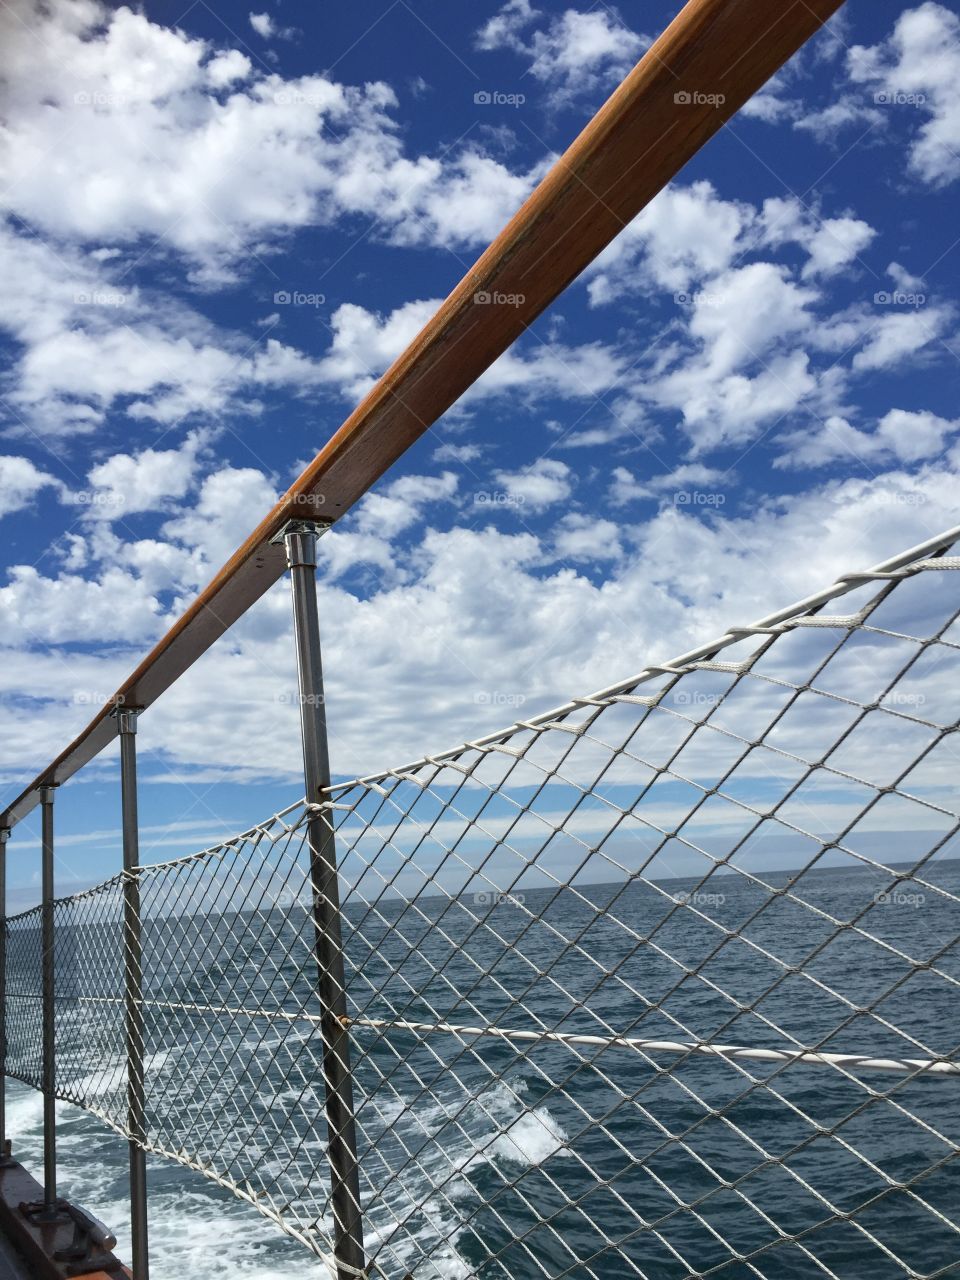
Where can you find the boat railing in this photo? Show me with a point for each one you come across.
(660, 982)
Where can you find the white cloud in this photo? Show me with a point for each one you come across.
(262, 24)
(536, 630)
(146, 481)
(846, 112)
(747, 343)
(690, 234)
(463, 453)
(915, 75)
(538, 486)
(739, 375)
(585, 539)
(231, 501)
(684, 234)
(115, 607)
(227, 68)
(834, 244)
(364, 344)
(503, 30)
(899, 335)
(578, 54)
(901, 435)
(87, 343)
(403, 502)
(20, 482)
(135, 120)
(627, 487)
(768, 104)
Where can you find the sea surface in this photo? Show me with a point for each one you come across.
(545, 1158)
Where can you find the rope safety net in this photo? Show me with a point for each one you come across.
(662, 984)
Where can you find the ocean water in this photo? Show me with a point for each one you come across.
(483, 1157)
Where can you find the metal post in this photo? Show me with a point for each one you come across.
(49, 1071)
(133, 983)
(4, 1141)
(300, 541)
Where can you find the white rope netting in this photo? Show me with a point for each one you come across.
(661, 984)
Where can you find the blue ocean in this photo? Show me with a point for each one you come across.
(565, 1156)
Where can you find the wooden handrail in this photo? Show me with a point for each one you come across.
(709, 61)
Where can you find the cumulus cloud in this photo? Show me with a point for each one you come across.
(901, 436)
(575, 55)
(145, 481)
(915, 74)
(690, 234)
(20, 482)
(752, 341)
(160, 136)
(89, 345)
(539, 629)
(538, 486)
(676, 485)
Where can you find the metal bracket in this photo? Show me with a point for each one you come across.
(318, 526)
(90, 1249)
(126, 718)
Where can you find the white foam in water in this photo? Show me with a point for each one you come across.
(531, 1140)
(197, 1228)
(200, 1231)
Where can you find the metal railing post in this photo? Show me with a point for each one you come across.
(300, 541)
(4, 1141)
(49, 1065)
(133, 993)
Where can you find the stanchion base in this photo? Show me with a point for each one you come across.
(53, 1247)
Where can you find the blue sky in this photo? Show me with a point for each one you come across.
(221, 225)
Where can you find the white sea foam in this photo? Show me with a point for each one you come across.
(415, 1218)
(531, 1139)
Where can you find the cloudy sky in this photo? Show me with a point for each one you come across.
(220, 225)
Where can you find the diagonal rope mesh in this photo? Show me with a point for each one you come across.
(661, 984)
